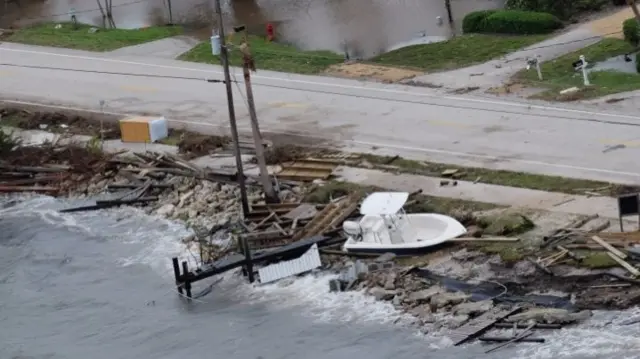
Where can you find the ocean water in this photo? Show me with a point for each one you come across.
(99, 285)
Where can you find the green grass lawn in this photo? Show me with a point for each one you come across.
(458, 52)
(559, 74)
(81, 38)
(269, 56)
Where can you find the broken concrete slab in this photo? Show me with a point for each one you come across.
(441, 300)
(424, 296)
(473, 308)
(550, 316)
(382, 294)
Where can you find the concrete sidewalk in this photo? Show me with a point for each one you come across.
(169, 48)
(501, 195)
(605, 207)
(496, 72)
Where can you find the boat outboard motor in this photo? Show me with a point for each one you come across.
(352, 229)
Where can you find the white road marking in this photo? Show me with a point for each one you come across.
(403, 92)
(361, 143)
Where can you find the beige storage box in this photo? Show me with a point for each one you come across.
(143, 129)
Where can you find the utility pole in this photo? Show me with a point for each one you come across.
(224, 58)
(452, 27)
(634, 8)
(248, 64)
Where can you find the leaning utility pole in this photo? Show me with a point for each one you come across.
(224, 58)
(248, 64)
(634, 8)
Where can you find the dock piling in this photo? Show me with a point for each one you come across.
(186, 279)
(248, 260)
(176, 274)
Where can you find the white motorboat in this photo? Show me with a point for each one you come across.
(385, 227)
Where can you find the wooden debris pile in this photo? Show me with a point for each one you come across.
(500, 318)
(47, 168)
(32, 179)
(146, 176)
(572, 244)
(60, 122)
(273, 225)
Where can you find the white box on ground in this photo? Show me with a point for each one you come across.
(144, 129)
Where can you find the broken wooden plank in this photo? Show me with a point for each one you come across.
(615, 285)
(523, 326)
(609, 247)
(526, 333)
(506, 339)
(481, 324)
(633, 270)
(303, 211)
(50, 169)
(9, 189)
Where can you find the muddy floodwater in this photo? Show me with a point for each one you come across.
(369, 25)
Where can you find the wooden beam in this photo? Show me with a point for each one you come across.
(609, 247)
(633, 270)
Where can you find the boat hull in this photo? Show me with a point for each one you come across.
(399, 251)
(428, 232)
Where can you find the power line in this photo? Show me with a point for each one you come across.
(115, 73)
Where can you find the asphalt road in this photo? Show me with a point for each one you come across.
(387, 119)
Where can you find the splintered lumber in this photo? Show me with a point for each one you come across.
(624, 236)
(480, 325)
(569, 253)
(329, 215)
(594, 246)
(133, 186)
(507, 339)
(523, 326)
(7, 189)
(34, 169)
(319, 222)
(117, 202)
(526, 333)
(609, 247)
(633, 270)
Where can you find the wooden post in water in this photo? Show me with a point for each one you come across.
(247, 256)
(176, 274)
(186, 279)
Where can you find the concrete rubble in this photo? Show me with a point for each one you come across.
(444, 290)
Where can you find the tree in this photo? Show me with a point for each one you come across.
(107, 13)
(634, 8)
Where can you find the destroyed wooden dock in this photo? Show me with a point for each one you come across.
(185, 278)
(481, 324)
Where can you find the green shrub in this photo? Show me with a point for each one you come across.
(564, 9)
(517, 22)
(637, 64)
(472, 21)
(630, 30)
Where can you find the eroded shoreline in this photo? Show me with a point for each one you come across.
(421, 286)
